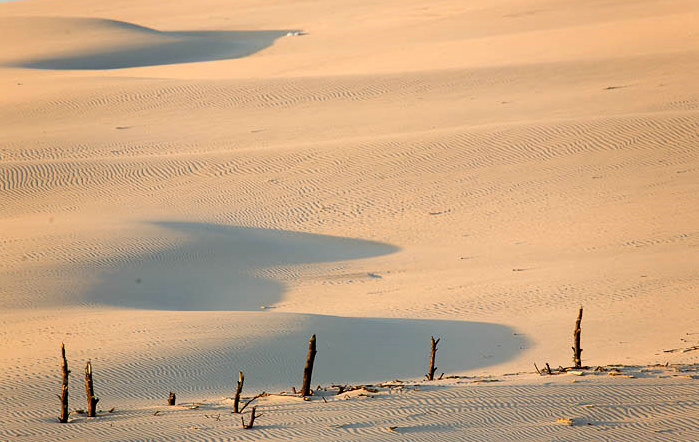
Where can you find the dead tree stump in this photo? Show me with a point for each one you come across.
(433, 358)
(171, 399)
(64, 387)
(577, 351)
(252, 419)
(308, 369)
(238, 390)
(90, 391)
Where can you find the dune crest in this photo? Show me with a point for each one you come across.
(98, 44)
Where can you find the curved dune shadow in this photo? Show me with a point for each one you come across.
(366, 349)
(150, 47)
(218, 268)
(350, 350)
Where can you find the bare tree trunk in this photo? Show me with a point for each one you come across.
(577, 351)
(433, 357)
(238, 390)
(308, 369)
(64, 387)
(90, 391)
(171, 399)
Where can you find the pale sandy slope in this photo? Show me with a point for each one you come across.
(474, 170)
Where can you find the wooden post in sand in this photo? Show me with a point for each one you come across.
(308, 369)
(433, 357)
(238, 390)
(90, 391)
(577, 362)
(64, 387)
(171, 399)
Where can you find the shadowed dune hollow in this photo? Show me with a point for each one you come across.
(350, 350)
(127, 45)
(221, 268)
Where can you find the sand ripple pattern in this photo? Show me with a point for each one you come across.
(647, 409)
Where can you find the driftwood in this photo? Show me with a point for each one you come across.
(308, 369)
(433, 356)
(577, 351)
(64, 387)
(238, 390)
(251, 423)
(90, 391)
(172, 399)
(682, 350)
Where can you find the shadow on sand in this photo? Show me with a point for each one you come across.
(220, 268)
(150, 47)
(350, 351)
(217, 268)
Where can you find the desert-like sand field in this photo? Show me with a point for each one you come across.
(189, 189)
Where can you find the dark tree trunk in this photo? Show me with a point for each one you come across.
(577, 351)
(238, 390)
(171, 399)
(90, 391)
(64, 386)
(433, 358)
(308, 369)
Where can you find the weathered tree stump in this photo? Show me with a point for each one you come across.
(171, 399)
(238, 390)
(64, 387)
(433, 358)
(250, 424)
(577, 351)
(308, 369)
(90, 391)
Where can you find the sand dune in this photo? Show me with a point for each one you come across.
(469, 170)
(111, 44)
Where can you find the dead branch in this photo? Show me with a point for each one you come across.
(64, 387)
(250, 401)
(433, 355)
(238, 390)
(250, 424)
(308, 369)
(577, 351)
(90, 391)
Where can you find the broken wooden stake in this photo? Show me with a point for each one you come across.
(433, 357)
(64, 387)
(171, 399)
(238, 390)
(252, 419)
(548, 368)
(308, 369)
(90, 391)
(577, 362)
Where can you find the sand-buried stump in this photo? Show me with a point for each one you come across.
(433, 358)
(238, 390)
(90, 391)
(64, 387)
(577, 351)
(308, 369)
